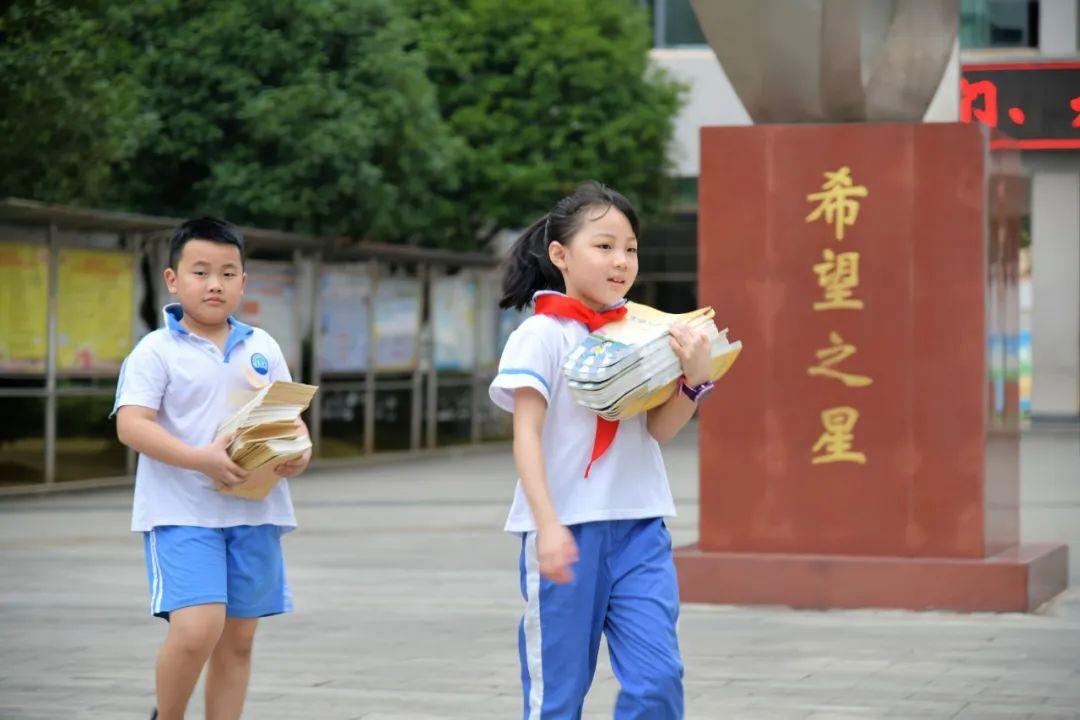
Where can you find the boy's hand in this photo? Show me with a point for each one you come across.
(215, 463)
(557, 551)
(294, 467)
(692, 348)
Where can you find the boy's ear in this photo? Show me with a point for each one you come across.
(557, 255)
(170, 280)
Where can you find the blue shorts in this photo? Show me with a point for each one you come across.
(241, 567)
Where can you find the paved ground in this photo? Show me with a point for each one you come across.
(1050, 490)
(408, 603)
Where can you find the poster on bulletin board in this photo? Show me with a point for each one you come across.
(269, 303)
(488, 348)
(94, 309)
(344, 297)
(453, 306)
(24, 286)
(397, 324)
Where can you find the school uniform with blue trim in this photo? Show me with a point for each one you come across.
(202, 546)
(624, 584)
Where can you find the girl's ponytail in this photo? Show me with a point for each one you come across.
(528, 268)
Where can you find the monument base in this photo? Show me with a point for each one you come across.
(1016, 580)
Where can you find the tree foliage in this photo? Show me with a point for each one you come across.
(547, 93)
(433, 121)
(69, 116)
(312, 115)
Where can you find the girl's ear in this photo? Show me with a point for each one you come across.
(557, 255)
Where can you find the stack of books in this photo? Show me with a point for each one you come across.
(268, 433)
(628, 367)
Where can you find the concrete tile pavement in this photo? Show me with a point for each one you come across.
(407, 597)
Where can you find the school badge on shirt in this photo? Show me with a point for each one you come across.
(259, 372)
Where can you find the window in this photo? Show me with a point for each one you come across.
(999, 24)
(674, 23)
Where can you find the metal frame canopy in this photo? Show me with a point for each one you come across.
(67, 227)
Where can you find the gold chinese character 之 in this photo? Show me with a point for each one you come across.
(829, 357)
(835, 200)
(838, 275)
(835, 443)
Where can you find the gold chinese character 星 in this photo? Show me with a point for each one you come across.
(838, 275)
(834, 355)
(836, 442)
(835, 200)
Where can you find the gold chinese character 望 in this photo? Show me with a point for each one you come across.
(830, 357)
(836, 442)
(835, 200)
(838, 276)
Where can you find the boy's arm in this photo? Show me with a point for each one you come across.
(137, 427)
(279, 370)
(692, 347)
(555, 546)
(297, 466)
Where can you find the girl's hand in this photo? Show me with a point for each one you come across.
(294, 467)
(692, 347)
(557, 551)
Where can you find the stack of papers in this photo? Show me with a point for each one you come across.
(267, 434)
(628, 367)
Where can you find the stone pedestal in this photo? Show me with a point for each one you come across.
(864, 451)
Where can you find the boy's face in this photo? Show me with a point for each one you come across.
(209, 281)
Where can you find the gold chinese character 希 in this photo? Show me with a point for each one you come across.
(829, 357)
(835, 200)
(838, 275)
(836, 442)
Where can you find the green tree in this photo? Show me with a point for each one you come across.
(434, 121)
(547, 93)
(69, 117)
(308, 115)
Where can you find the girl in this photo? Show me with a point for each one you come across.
(596, 555)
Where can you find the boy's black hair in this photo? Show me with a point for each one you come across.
(528, 268)
(204, 228)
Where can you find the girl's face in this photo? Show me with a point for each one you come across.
(600, 262)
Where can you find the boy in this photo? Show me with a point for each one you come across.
(214, 561)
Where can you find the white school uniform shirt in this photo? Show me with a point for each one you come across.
(194, 386)
(627, 482)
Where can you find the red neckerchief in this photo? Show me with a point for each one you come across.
(567, 307)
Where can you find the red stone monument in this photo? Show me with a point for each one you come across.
(864, 450)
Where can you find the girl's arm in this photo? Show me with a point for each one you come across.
(555, 546)
(138, 428)
(692, 347)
